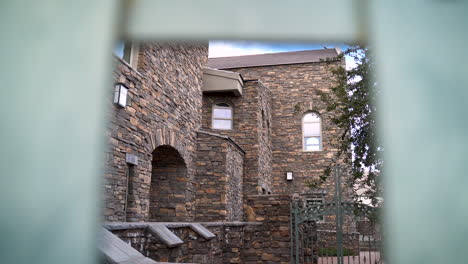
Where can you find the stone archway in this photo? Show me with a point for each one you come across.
(168, 186)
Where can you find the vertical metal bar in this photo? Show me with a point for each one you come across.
(306, 247)
(354, 255)
(291, 234)
(303, 242)
(369, 249)
(325, 252)
(373, 238)
(317, 245)
(296, 233)
(348, 239)
(359, 248)
(339, 215)
(314, 250)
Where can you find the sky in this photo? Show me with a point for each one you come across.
(221, 48)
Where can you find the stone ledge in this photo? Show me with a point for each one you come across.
(230, 140)
(116, 251)
(130, 67)
(202, 231)
(231, 223)
(138, 225)
(167, 237)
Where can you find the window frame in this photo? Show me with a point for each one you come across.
(320, 134)
(215, 106)
(130, 53)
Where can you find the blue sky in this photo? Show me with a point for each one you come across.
(221, 48)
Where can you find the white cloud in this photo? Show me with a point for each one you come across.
(350, 63)
(223, 49)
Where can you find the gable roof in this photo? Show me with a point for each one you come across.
(280, 58)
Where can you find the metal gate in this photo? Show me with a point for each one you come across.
(335, 232)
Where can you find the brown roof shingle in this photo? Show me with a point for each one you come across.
(294, 57)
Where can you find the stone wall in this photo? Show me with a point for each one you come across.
(195, 249)
(219, 192)
(234, 189)
(265, 153)
(237, 242)
(168, 192)
(294, 93)
(265, 241)
(273, 239)
(251, 130)
(164, 109)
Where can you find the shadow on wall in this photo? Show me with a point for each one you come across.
(168, 186)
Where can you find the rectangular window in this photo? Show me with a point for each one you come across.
(222, 113)
(221, 124)
(222, 116)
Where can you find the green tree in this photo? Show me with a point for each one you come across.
(352, 100)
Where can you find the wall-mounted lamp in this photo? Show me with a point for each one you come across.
(289, 176)
(120, 95)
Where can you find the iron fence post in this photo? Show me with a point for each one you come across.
(296, 234)
(339, 216)
(291, 210)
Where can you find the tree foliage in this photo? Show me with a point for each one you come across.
(352, 100)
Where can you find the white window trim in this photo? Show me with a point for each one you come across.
(134, 52)
(303, 134)
(133, 56)
(215, 106)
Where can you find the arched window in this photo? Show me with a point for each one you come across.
(222, 116)
(312, 132)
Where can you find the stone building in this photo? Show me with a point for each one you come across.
(292, 80)
(225, 140)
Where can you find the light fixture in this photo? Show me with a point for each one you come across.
(120, 95)
(289, 175)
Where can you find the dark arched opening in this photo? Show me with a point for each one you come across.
(168, 186)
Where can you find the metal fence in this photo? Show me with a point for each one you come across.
(355, 237)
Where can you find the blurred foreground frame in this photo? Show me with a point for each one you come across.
(58, 59)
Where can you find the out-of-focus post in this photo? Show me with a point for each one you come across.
(56, 64)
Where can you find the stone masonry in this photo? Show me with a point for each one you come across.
(168, 192)
(232, 181)
(164, 102)
(219, 191)
(294, 93)
(265, 241)
(251, 130)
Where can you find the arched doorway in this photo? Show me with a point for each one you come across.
(168, 186)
